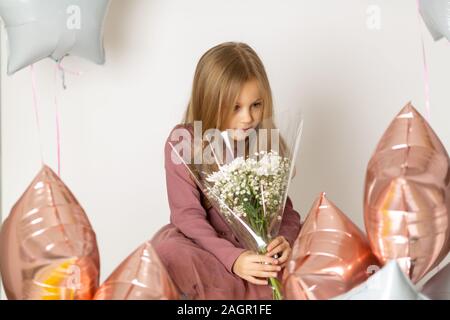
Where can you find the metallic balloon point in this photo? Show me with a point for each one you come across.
(407, 196)
(48, 249)
(330, 256)
(141, 276)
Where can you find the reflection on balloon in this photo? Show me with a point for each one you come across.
(48, 249)
(407, 198)
(140, 277)
(390, 283)
(38, 29)
(438, 287)
(329, 257)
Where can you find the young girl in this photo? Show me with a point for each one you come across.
(201, 254)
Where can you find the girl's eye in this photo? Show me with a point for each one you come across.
(236, 108)
(257, 104)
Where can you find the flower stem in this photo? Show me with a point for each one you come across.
(276, 287)
(274, 283)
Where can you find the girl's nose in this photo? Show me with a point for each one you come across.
(246, 116)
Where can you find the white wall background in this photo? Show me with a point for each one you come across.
(320, 55)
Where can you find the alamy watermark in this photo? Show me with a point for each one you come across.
(74, 278)
(373, 21)
(73, 21)
(219, 147)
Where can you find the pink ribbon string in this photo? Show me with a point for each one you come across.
(426, 80)
(36, 110)
(63, 71)
(58, 127)
(426, 72)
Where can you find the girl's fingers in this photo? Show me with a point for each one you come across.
(256, 281)
(285, 255)
(275, 242)
(263, 274)
(275, 250)
(262, 259)
(266, 267)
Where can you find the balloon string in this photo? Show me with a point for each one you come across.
(58, 127)
(63, 70)
(426, 81)
(426, 72)
(36, 110)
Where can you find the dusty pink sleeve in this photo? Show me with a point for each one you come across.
(189, 216)
(290, 225)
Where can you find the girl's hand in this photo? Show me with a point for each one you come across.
(256, 268)
(277, 246)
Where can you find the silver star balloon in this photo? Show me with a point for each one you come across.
(389, 283)
(38, 29)
(436, 15)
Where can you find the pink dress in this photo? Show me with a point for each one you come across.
(198, 248)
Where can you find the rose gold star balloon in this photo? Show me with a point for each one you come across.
(407, 199)
(330, 256)
(140, 277)
(48, 249)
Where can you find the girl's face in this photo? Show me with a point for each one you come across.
(248, 111)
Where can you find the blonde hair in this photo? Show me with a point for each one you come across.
(219, 76)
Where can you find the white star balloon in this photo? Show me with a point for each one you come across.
(389, 283)
(38, 29)
(436, 15)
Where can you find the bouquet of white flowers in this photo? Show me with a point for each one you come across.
(252, 192)
(249, 190)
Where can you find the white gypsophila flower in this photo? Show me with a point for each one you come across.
(258, 184)
(217, 176)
